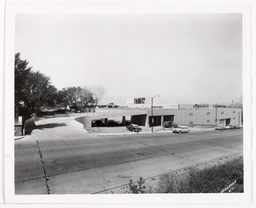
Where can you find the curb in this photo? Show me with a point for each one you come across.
(128, 133)
(18, 137)
(78, 126)
(134, 133)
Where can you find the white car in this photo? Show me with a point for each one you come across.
(181, 129)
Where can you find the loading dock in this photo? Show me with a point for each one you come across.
(139, 119)
(168, 118)
(155, 121)
(225, 121)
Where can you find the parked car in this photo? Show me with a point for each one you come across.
(133, 127)
(127, 122)
(236, 127)
(167, 124)
(51, 111)
(112, 123)
(174, 125)
(98, 123)
(220, 128)
(228, 127)
(181, 129)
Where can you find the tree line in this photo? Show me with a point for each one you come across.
(35, 91)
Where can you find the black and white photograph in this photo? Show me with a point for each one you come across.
(130, 101)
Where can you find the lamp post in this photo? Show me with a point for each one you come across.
(152, 119)
(216, 114)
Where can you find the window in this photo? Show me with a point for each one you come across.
(190, 114)
(208, 121)
(208, 113)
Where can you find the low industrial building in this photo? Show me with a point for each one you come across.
(139, 112)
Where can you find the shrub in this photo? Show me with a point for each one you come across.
(209, 180)
(138, 188)
(215, 179)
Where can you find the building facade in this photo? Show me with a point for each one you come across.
(185, 114)
(191, 117)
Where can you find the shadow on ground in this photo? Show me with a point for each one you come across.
(49, 126)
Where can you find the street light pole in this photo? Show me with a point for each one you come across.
(152, 120)
(216, 115)
(152, 114)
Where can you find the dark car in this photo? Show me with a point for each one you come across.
(133, 127)
(98, 123)
(167, 124)
(174, 125)
(112, 123)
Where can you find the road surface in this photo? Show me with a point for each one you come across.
(60, 159)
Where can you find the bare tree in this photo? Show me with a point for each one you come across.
(98, 92)
(86, 97)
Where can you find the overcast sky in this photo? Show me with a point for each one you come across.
(185, 58)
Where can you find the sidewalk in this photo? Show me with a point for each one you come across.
(55, 127)
(129, 133)
(111, 131)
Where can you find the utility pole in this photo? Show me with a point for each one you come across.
(152, 114)
(216, 121)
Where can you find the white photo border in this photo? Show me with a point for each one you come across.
(10, 197)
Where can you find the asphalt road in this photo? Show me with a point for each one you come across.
(52, 162)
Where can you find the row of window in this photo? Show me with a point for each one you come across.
(208, 113)
(209, 121)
